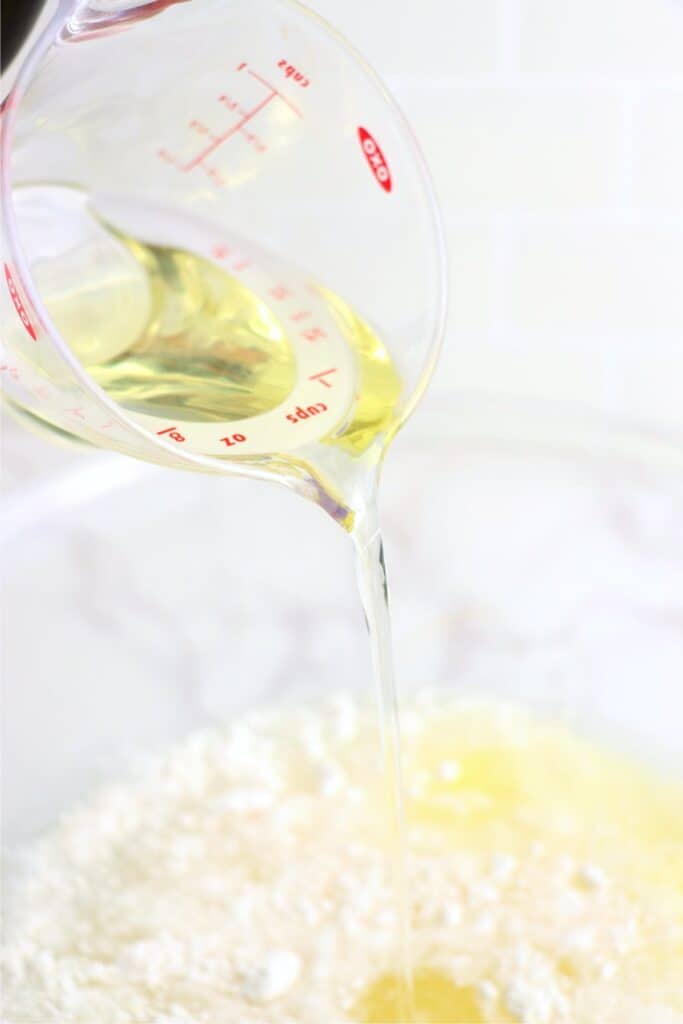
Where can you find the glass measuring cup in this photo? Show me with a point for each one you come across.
(250, 134)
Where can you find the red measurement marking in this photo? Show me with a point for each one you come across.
(199, 126)
(302, 314)
(220, 139)
(76, 413)
(41, 391)
(221, 252)
(279, 292)
(254, 141)
(275, 91)
(18, 304)
(245, 117)
(240, 265)
(293, 74)
(313, 334)
(214, 173)
(233, 439)
(322, 375)
(12, 371)
(167, 157)
(172, 432)
(304, 414)
(230, 103)
(107, 425)
(375, 158)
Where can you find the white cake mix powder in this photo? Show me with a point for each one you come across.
(242, 879)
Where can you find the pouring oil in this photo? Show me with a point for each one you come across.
(172, 336)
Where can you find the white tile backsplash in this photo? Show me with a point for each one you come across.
(472, 265)
(518, 147)
(420, 39)
(604, 280)
(658, 154)
(605, 37)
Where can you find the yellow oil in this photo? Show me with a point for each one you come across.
(207, 349)
(175, 335)
(436, 1000)
(490, 779)
(545, 779)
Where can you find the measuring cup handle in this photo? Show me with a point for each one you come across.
(88, 19)
(18, 18)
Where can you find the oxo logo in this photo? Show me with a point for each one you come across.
(375, 158)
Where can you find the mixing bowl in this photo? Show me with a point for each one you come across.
(535, 552)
